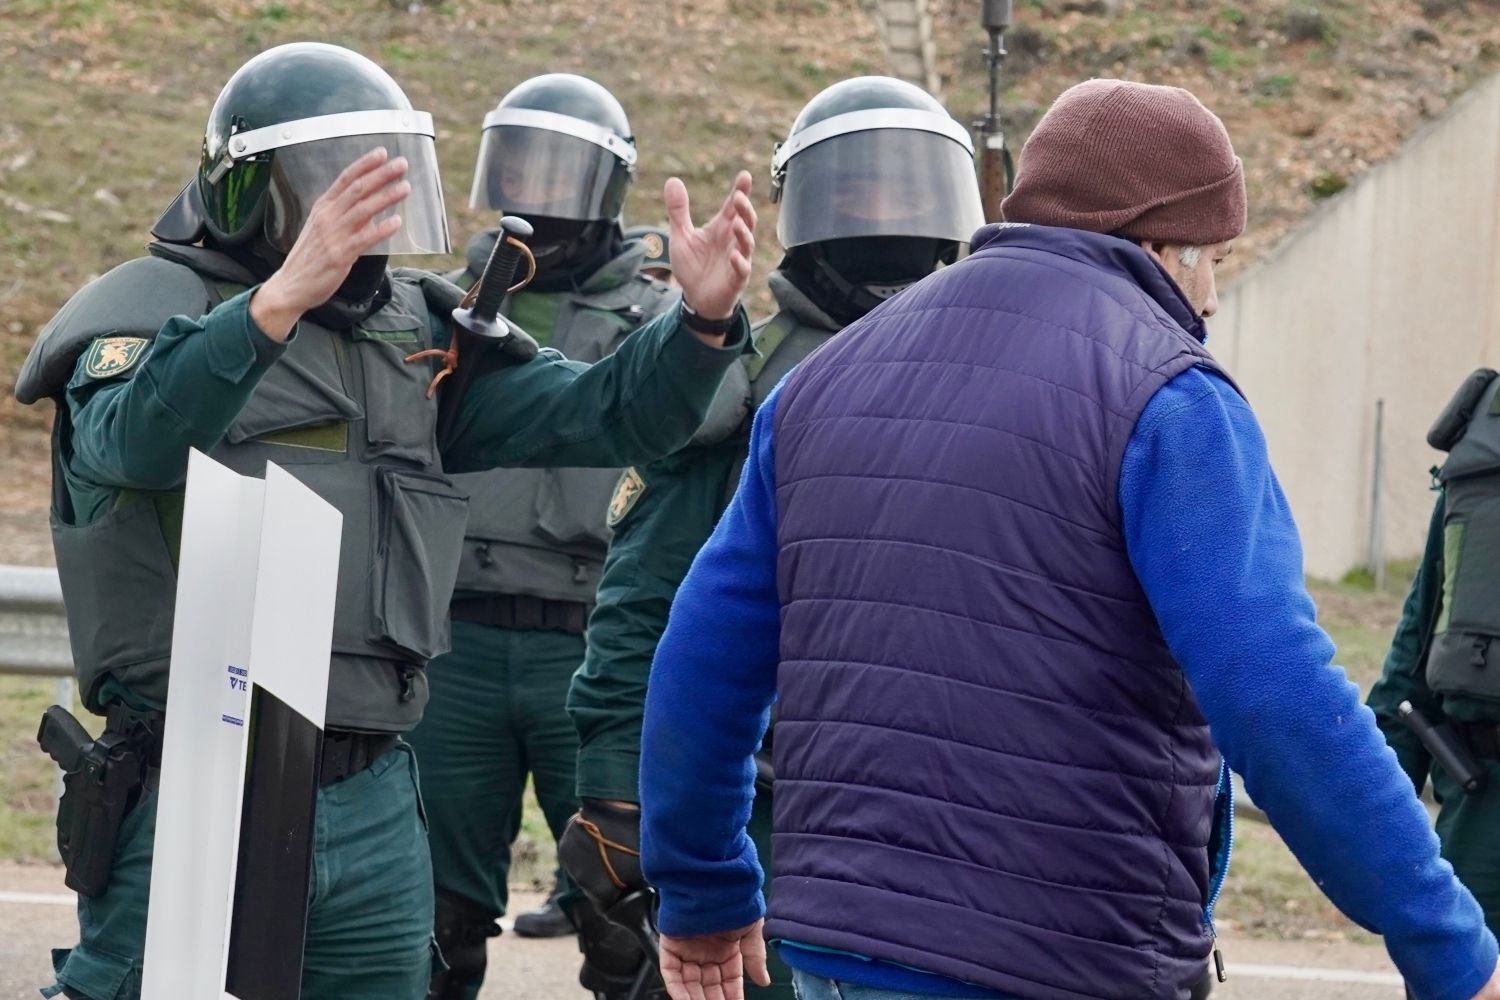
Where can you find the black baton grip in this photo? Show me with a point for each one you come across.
(1445, 748)
(500, 271)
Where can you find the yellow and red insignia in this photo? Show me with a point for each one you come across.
(110, 356)
(627, 492)
(653, 245)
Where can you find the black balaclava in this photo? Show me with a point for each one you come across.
(847, 278)
(569, 251)
(364, 290)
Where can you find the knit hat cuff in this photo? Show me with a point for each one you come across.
(1214, 213)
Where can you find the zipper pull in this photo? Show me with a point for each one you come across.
(1219, 972)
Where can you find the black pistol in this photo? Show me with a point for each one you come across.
(1447, 750)
(101, 781)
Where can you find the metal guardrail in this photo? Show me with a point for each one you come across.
(33, 631)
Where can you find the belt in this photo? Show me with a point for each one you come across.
(346, 754)
(143, 728)
(1482, 738)
(523, 611)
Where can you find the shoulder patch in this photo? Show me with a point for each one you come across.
(111, 356)
(627, 491)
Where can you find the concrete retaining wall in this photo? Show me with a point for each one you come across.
(1391, 291)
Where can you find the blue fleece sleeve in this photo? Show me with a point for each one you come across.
(707, 707)
(1213, 543)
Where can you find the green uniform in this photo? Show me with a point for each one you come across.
(1467, 825)
(138, 383)
(662, 513)
(535, 541)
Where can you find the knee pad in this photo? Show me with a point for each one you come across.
(612, 957)
(462, 929)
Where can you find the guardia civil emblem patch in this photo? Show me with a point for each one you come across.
(653, 245)
(109, 356)
(627, 492)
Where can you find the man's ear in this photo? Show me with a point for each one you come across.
(1157, 250)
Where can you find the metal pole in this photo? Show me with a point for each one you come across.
(64, 696)
(1377, 505)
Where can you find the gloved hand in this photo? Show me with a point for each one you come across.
(601, 850)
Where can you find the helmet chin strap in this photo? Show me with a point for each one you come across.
(850, 277)
(850, 301)
(569, 252)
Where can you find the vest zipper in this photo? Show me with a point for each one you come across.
(1225, 787)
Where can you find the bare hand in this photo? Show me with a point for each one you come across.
(1491, 989)
(713, 263)
(713, 966)
(340, 227)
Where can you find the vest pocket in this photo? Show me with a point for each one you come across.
(400, 421)
(118, 584)
(302, 390)
(1465, 655)
(573, 503)
(419, 531)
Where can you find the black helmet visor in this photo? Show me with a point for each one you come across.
(882, 181)
(302, 172)
(529, 166)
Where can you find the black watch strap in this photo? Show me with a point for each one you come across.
(711, 327)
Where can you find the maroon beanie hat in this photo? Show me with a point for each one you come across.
(1132, 159)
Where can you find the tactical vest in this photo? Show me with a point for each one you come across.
(344, 414)
(1464, 655)
(541, 532)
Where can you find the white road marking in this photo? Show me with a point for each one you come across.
(39, 898)
(1250, 971)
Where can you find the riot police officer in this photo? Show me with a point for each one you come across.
(1439, 661)
(557, 151)
(299, 355)
(877, 189)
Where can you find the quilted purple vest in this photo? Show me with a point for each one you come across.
(988, 764)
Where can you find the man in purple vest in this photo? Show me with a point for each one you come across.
(1011, 558)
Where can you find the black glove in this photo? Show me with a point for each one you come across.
(601, 850)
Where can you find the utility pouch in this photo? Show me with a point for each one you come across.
(102, 780)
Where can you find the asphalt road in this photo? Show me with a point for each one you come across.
(31, 923)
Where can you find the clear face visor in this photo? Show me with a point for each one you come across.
(879, 182)
(301, 173)
(529, 171)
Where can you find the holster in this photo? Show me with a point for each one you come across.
(102, 781)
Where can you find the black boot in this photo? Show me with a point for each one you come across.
(546, 921)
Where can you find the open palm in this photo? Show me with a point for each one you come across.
(714, 966)
(712, 262)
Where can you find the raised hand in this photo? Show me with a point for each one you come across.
(340, 227)
(712, 263)
(714, 966)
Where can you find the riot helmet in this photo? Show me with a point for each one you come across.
(877, 188)
(557, 146)
(284, 127)
(558, 152)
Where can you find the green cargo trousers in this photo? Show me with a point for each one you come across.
(759, 829)
(496, 714)
(1469, 828)
(369, 929)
